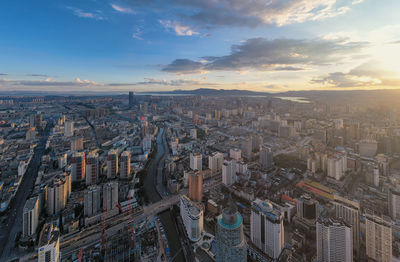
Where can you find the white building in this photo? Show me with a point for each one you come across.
(49, 244)
(228, 172)
(334, 241)
(30, 217)
(196, 161)
(337, 166)
(58, 192)
(266, 228)
(235, 153)
(192, 217)
(69, 129)
(147, 143)
(193, 133)
(215, 161)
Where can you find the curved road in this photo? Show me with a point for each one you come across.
(150, 187)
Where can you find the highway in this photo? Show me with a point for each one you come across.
(10, 229)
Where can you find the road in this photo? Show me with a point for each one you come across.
(9, 231)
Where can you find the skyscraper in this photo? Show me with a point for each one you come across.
(196, 161)
(394, 203)
(49, 244)
(378, 234)
(30, 217)
(92, 169)
(69, 129)
(334, 241)
(229, 172)
(266, 226)
(125, 165)
(131, 98)
(92, 201)
(58, 192)
(266, 157)
(77, 144)
(215, 161)
(192, 217)
(112, 163)
(231, 244)
(78, 166)
(110, 195)
(195, 186)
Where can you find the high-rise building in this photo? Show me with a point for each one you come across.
(77, 144)
(92, 168)
(193, 133)
(30, 217)
(256, 141)
(49, 244)
(235, 153)
(110, 195)
(215, 161)
(125, 165)
(131, 98)
(266, 225)
(378, 235)
(334, 241)
(349, 212)
(307, 207)
(195, 186)
(266, 157)
(192, 217)
(231, 244)
(69, 129)
(247, 148)
(58, 192)
(228, 172)
(394, 204)
(196, 162)
(337, 166)
(78, 166)
(35, 120)
(92, 201)
(368, 147)
(112, 163)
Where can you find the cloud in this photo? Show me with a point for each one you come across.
(3, 74)
(179, 29)
(137, 34)
(262, 54)
(121, 9)
(48, 82)
(395, 42)
(250, 13)
(84, 14)
(37, 75)
(163, 82)
(371, 73)
(184, 66)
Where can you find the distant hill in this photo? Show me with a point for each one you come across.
(211, 92)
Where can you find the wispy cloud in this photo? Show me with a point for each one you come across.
(97, 15)
(138, 33)
(179, 29)
(121, 9)
(48, 82)
(3, 74)
(37, 75)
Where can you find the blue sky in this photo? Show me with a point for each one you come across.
(141, 45)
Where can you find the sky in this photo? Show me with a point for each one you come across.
(161, 45)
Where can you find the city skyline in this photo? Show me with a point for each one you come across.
(275, 46)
